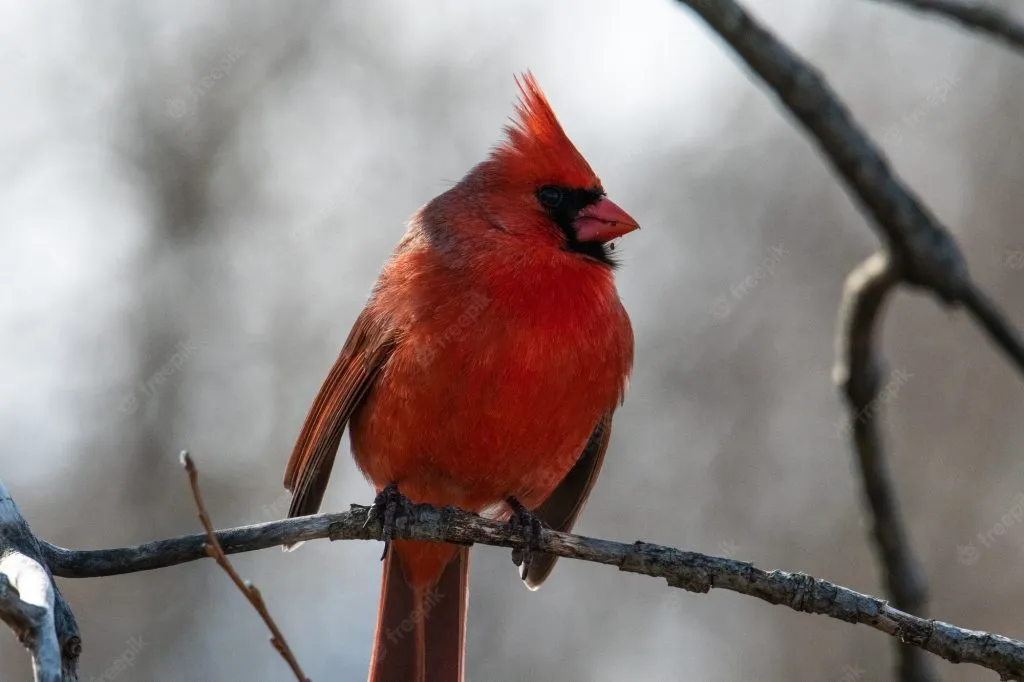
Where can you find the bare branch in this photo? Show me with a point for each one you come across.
(859, 373)
(988, 315)
(31, 604)
(251, 592)
(920, 252)
(690, 571)
(22, 617)
(973, 16)
(26, 604)
(99, 563)
(923, 252)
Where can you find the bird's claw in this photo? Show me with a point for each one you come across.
(388, 506)
(531, 527)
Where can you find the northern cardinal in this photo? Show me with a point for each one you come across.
(482, 373)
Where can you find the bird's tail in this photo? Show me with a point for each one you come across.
(421, 629)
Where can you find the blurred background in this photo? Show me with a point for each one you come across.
(197, 197)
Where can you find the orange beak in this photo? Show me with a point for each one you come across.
(603, 222)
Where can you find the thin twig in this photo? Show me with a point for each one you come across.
(923, 251)
(975, 16)
(213, 548)
(923, 254)
(687, 570)
(987, 314)
(858, 373)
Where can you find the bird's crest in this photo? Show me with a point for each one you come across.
(536, 149)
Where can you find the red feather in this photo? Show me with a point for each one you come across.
(537, 151)
(486, 365)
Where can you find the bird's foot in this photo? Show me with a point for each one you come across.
(524, 521)
(388, 506)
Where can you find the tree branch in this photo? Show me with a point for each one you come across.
(690, 571)
(251, 592)
(921, 253)
(973, 16)
(26, 605)
(858, 372)
(922, 250)
(31, 604)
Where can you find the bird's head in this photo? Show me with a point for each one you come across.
(540, 187)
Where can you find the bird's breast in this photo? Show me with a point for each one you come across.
(490, 394)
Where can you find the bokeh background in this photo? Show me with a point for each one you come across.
(197, 196)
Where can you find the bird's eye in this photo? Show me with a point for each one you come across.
(549, 196)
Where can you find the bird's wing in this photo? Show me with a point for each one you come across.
(560, 510)
(369, 345)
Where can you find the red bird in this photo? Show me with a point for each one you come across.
(483, 373)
